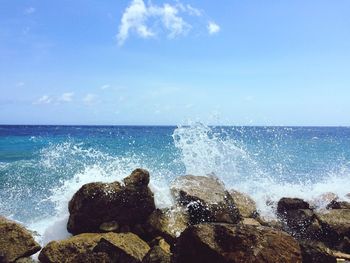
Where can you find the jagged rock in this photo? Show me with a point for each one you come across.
(298, 218)
(160, 242)
(68, 249)
(245, 204)
(109, 227)
(15, 241)
(316, 252)
(168, 223)
(157, 255)
(25, 260)
(206, 199)
(250, 221)
(127, 248)
(97, 203)
(338, 205)
(226, 243)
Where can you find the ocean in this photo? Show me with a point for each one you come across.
(41, 167)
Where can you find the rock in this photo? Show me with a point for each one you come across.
(66, 250)
(15, 241)
(316, 252)
(286, 204)
(91, 257)
(336, 224)
(109, 227)
(127, 248)
(138, 178)
(226, 243)
(206, 199)
(298, 218)
(250, 221)
(168, 223)
(157, 255)
(160, 242)
(95, 204)
(25, 260)
(323, 199)
(245, 205)
(338, 205)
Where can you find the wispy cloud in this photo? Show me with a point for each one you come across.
(20, 84)
(104, 87)
(148, 20)
(90, 99)
(45, 99)
(30, 10)
(66, 97)
(213, 28)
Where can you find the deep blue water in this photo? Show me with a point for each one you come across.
(40, 163)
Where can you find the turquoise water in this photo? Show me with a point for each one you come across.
(42, 166)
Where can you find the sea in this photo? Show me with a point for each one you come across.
(41, 167)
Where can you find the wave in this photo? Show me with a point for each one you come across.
(261, 168)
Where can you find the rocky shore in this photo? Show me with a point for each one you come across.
(119, 222)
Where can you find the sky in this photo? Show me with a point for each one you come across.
(135, 62)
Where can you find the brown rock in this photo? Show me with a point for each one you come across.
(15, 241)
(66, 250)
(323, 199)
(206, 199)
(336, 224)
(226, 243)
(127, 248)
(91, 257)
(298, 218)
(316, 252)
(97, 203)
(246, 205)
(338, 205)
(168, 223)
(157, 255)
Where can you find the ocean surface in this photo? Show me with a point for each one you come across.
(42, 166)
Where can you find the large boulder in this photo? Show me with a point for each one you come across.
(168, 223)
(157, 255)
(96, 205)
(127, 248)
(88, 246)
(206, 199)
(336, 225)
(15, 241)
(226, 243)
(298, 218)
(245, 204)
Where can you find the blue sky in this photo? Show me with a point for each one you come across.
(168, 62)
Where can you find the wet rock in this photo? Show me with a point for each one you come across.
(109, 227)
(298, 218)
(15, 241)
(323, 199)
(225, 243)
(157, 255)
(206, 199)
(168, 223)
(338, 205)
(25, 260)
(66, 250)
(246, 205)
(126, 248)
(336, 224)
(250, 221)
(98, 203)
(316, 252)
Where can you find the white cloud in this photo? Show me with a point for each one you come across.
(20, 84)
(90, 99)
(143, 19)
(66, 97)
(29, 10)
(213, 28)
(104, 87)
(45, 99)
